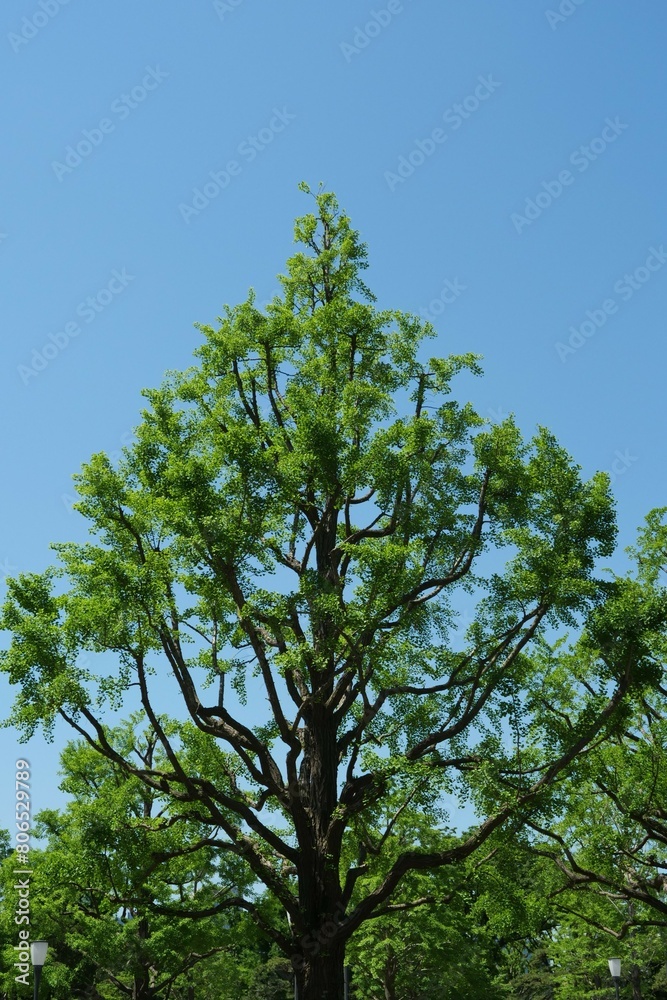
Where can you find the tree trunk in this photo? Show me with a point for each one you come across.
(141, 988)
(389, 980)
(322, 975)
(635, 980)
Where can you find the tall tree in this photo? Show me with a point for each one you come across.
(304, 508)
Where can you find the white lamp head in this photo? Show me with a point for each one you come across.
(615, 968)
(38, 951)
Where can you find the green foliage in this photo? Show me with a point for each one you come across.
(302, 516)
(120, 885)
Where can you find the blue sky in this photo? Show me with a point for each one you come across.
(504, 163)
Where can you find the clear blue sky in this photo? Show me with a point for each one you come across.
(483, 106)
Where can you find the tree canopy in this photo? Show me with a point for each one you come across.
(301, 517)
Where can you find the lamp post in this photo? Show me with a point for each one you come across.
(38, 951)
(615, 970)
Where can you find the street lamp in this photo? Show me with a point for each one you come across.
(38, 951)
(615, 970)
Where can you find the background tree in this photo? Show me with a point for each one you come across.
(120, 885)
(607, 847)
(427, 942)
(301, 512)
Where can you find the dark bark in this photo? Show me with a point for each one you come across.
(635, 981)
(142, 987)
(389, 981)
(322, 975)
